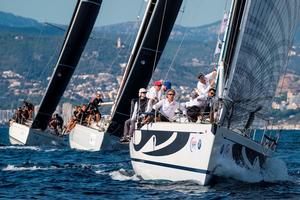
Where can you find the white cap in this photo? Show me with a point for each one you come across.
(142, 90)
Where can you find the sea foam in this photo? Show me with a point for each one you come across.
(123, 175)
(273, 170)
(32, 168)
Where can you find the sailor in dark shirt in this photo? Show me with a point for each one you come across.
(56, 123)
(93, 105)
(82, 116)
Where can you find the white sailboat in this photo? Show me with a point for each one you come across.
(93, 137)
(144, 57)
(255, 55)
(37, 132)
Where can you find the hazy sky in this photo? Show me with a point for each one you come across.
(196, 12)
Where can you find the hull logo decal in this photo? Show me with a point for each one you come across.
(161, 137)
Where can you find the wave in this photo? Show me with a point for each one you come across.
(33, 148)
(32, 168)
(21, 147)
(124, 175)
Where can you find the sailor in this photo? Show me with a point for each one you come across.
(205, 82)
(83, 114)
(93, 106)
(165, 86)
(167, 106)
(29, 107)
(25, 114)
(18, 115)
(200, 104)
(74, 119)
(56, 123)
(139, 107)
(155, 93)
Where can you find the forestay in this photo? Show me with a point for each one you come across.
(260, 57)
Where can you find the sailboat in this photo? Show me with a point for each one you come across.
(148, 47)
(37, 131)
(253, 58)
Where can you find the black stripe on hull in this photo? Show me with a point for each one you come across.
(160, 138)
(190, 169)
(251, 154)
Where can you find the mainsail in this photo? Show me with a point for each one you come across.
(81, 25)
(148, 54)
(260, 57)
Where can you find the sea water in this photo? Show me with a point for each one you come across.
(61, 173)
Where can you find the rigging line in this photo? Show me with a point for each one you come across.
(175, 56)
(129, 37)
(159, 36)
(226, 4)
(64, 29)
(181, 42)
(43, 72)
(93, 68)
(31, 68)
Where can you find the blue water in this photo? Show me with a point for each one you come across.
(53, 173)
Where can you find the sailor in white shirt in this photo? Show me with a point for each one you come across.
(200, 104)
(155, 93)
(196, 100)
(205, 83)
(167, 106)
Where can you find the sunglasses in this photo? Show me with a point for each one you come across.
(171, 94)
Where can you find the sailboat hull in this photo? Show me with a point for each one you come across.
(92, 139)
(20, 134)
(179, 152)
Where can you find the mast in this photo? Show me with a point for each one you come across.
(81, 25)
(228, 49)
(148, 54)
(232, 34)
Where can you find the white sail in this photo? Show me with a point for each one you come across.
(260, 58)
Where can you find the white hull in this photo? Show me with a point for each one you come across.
(179, 152)
(20, 134)
(92, 139)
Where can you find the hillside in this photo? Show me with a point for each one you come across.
(30, 50)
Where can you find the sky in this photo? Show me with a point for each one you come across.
(196, 12)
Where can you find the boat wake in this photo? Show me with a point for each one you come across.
(274, 170)
(124, 175)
